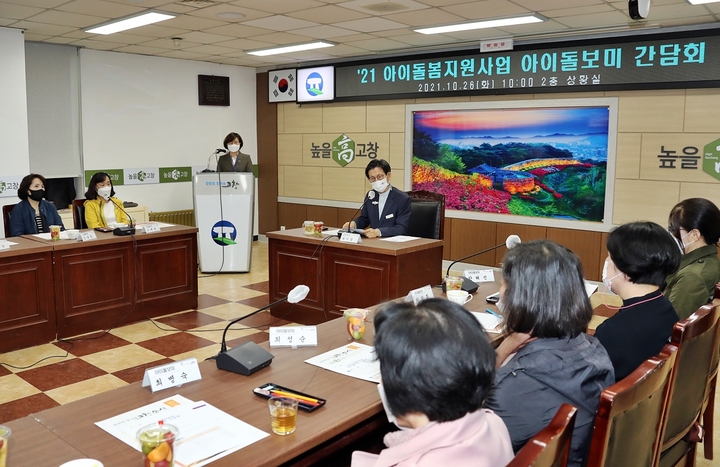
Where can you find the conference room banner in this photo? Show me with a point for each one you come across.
(9, 185)
(176, 174)
(536, 159)
(117, 176)
(144, 176)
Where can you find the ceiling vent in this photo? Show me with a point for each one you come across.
(196, 3)
(385, 7)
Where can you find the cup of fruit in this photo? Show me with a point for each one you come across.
(157, 442)
(356, 318)
(5, 433)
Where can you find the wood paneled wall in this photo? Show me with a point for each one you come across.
(267, 179)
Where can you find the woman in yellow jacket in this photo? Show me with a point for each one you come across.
(102, 209)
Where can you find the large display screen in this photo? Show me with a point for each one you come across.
(544, 162)
(653, 62)
(316, 84)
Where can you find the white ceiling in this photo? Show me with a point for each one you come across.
(360, 28)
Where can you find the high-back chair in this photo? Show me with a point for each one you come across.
(695, 337)
(427, 215)
(78, 211)
(629, 418)
(708, 421)
(6, 218)
(551, 446)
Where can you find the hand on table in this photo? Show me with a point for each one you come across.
(372, 233)
(349, 225)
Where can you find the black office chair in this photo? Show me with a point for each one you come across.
(427, 215)
(78, 210)
(6, 218)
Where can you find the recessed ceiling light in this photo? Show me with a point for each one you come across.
(493, 23)
(130, 22)
(286, 49)
(702, 2)
(230, 15)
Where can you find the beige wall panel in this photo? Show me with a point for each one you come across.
(702, 110)
(307, 149)
(343, 184)
(652, 145)
(650, 111)
(639, 200)
(290, 149)
(280, 117)
(303, 182)
(281, 181)
(398, 179)
(627, 161)
(346, 117)
(305, 119)
(386, 115)
(710, 191)
(362, 146)
(397, 150)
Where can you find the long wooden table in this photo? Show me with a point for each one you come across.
(344, 275)
(66, 288)
(353, 407)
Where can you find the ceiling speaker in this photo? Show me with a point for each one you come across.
(638, 9)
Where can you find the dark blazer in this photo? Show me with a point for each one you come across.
(395, 217)
(242, 163)
(22, 218)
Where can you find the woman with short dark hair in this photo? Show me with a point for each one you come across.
(695, 223)
(33, 214)
(640, 256)
(437, 366)
(102, 208)
(548, 359)
(234, 160)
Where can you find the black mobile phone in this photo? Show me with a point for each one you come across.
(104, 229)
(305, 401)
(493, 298)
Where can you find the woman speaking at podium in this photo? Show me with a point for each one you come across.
(102, 208)
(234, 160)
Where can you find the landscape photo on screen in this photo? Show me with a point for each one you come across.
(538, 162)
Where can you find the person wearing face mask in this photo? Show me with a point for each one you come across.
(234, 160)
(695, 223)
(548, 359)
(33, 214)
(102, 208)
(640, 256)
(436, 365)
(386, 210)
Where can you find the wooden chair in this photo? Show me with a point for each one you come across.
(6, 218)
(629, 419)
(709, 403)
(550, 447)
(427, 215)
(78, 211)
(696, 339)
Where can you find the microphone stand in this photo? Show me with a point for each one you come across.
(223, 345)
(130, 229)
(367, 197)
(216, 153)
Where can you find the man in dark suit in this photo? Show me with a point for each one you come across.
(386, 211)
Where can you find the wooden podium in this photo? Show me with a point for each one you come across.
(343, 275)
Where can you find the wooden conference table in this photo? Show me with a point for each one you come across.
(345, 275)
(353, 408)
(72, 287)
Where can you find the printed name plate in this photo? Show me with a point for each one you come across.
(4, 245)
(349, 237)
(87, 235)
(293, 336)
(150, 228)
(172, 374)
(479, 275)
(418, 295)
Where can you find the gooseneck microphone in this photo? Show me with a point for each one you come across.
(127, 230)
(217, 152)
(248, 358)
(370, 195)
(468, 285)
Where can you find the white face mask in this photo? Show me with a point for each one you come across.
(606, 281)
(386, 407)
(380, 185)
(104, 191)
(233, 147)
(683, 249)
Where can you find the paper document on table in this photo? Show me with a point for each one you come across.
(333, 232)
(162, 225)
(206, 433)
(399, 238)
(356, 360)
(489, 322)
(46, 236)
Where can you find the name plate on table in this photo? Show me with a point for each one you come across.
(418, 295)
(87, 235)
(479, 275)
(150, 228)
(293, 336)
(4, 245)
(172, 374)
(349, 237)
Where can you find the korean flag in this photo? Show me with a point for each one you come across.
(282, 85)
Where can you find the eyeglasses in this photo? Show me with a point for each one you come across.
(377, 179)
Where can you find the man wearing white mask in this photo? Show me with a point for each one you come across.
(234, 160)
(386, 210)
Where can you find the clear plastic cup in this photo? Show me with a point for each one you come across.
(283, 415)
(157, 443)
(5, 433)
(54, 232)
(356, 319)
(453, 283)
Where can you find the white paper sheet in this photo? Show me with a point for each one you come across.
(399, 238)
(162, 225)
(489, 322)
(356, 360)
(46, 236)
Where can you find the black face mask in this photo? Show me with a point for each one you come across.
(37, 195)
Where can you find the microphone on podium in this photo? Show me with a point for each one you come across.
(468, 285)
(217, 152)
(370, 195)
(248, 358)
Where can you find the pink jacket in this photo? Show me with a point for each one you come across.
(479, 439)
